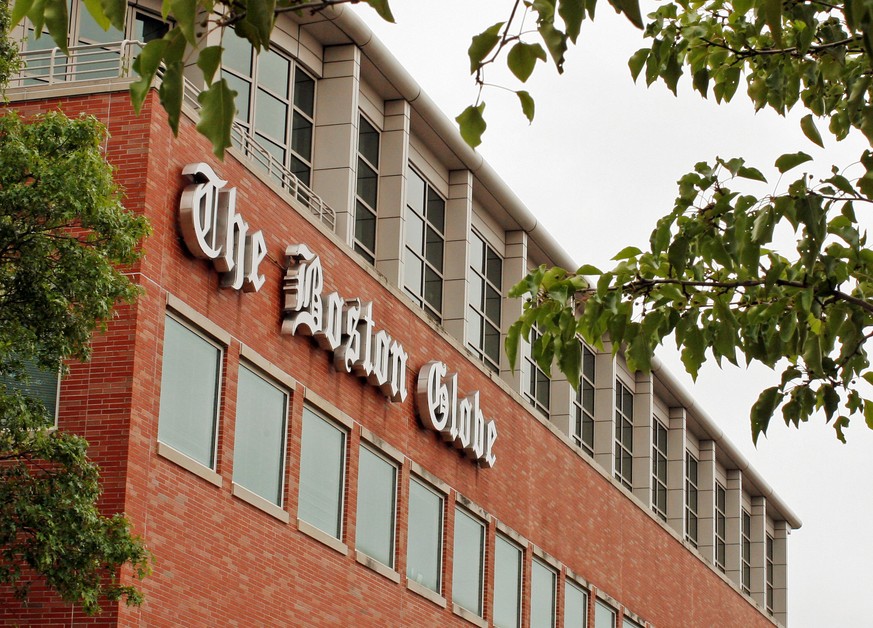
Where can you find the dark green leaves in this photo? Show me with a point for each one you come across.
(472, 124)
(522, 58)
(791, 160)
(382, 8)
(807, 124)
(216, 115)
(482, 44)
(527, 104)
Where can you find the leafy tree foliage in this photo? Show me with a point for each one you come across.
(63, 233)
(715, 277)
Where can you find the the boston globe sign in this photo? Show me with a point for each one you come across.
(345, 327)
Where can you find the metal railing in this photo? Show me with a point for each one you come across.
(51, 66)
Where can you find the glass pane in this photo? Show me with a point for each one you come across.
(474, 334)
(304, 92)
(36, 384)
(242, 89)
(492, 304)
(91, 33)
(414, 232)
(322, 459)
(147, 28)
(300, 169)
(543, 389)
(377, 489)
(588, 363)
(604, 617)
(477, 253)
(274, 149)
(415, 192)
(436, 210)
(434, 249)
(259, 442)
(433, 289)
(273, 72)
(412, 271)
(492, 342)
(627, 402)
(575, 607)
(494, 268)
(424, 545)
(542, 596)
(237, 54)
(367, 183)
(368, 142)
(301, 137)
(271, 116)
(467, 570)
(189, 393)
(588, 397)
(507, 583)
(588, 431)
(475, 294)
(365, 227)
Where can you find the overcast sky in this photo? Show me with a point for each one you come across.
(598, 167)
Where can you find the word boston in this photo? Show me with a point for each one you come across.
(342, 326)
(460, 422)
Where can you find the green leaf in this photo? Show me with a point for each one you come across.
(472, 124)
(868, 413)
(146, 65)
(754, 174)
(572, 12)
(171, 92)
(631, 10)
(382, 8)
(95, 8)
(527, 104)
(522, 58)
(115, 11)
(637, 62)
(56, 21)
(216, 115)
(588, 269)
(791, 160)
(626, 253)
(257, 24)
(807, 124)
(209, 61)
(772, 12)
(482, 44)
(20, 9)
(556, 43)
(185, 13)
(510, 345)
(763, 410)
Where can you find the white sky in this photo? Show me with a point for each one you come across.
(598, 167)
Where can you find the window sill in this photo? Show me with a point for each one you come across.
(253, 499)
(470, 616)
(380, 568)
(424, 592)
(189, 464)
(322, 537)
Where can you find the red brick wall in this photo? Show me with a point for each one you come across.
(221, 561)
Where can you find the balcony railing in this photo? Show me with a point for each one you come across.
(113, 60)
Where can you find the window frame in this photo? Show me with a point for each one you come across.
(692, 498)
(483, 546)
(479, 271)
(420, 295)
(519, 583)
(659, 468)
(770, 573)
(182, 320)
(568, 584)
(624, 425)
(250, 366)
(533, 376)
(582, 417)
(393, 463)
(343, 477)
(360, 203)
(746, 551)
(600, 604)
(536, 561)
(720, 523)
(442, 497)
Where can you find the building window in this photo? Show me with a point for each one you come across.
(377, 501)
(508, 568)
(543, 586)
(575, 606)
(691, 495)
(659, 469)
(425, 537)
(367, 190)
(624, 434)
(720, 526)
(425, 243)
(38, 384)
(272, 109)
(190, 381)
(629, 623)
(537, 384)
(259, 441)
(604, 616)
(468, 571)
(485, 292)
(770, 570)
(322, 474)
(583, 404)
(746, 558)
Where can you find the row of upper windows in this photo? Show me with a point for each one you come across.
(190, 398)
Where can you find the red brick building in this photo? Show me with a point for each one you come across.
(289, 414)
